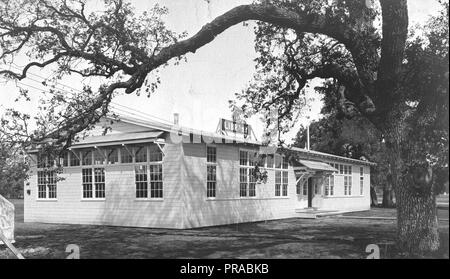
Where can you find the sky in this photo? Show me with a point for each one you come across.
(199, 89)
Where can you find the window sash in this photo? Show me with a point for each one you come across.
(211, 154)
(112, 155)
(211, 180)
(140, 154)
(141, 181)
(46, 185)
(156, 181)
(125, 156)
(93, 183)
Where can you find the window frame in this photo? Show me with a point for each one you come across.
(361, 181)
(93, 183)
(250, 188)
(211, 163)
(47, 185)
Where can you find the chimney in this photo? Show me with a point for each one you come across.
(176, 118)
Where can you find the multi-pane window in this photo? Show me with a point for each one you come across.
(65, 159)
(278, 161)
(329, 185)
(211, 154)
(126, 155)
(155, 152)
(243, 181)
(156, 181)
(211, 171)
(243, 158)
(361, 181)
(46, 185)
(281, 177)
(211, 181)
(285, 163)
(270, 160)
(277, 183)
(93, 183)
(285, 184)
(141, 181)
(247, 179)
(252, 183)
(87, 183)
(86, 157)
(99, 179)
(149, 176)
(281, 183)
(99, 156)
(347, 180)
(305, 188)
(74, 158)
(112, 156)
(140, 154)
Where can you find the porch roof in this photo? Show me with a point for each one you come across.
(316, 166)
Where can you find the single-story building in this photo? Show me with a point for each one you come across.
(151, 174)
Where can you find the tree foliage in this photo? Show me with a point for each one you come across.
(297, 41)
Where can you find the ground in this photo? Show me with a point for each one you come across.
(344, 236)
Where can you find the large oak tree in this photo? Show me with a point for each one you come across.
(125, 48)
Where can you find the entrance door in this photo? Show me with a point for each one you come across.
(310, 192)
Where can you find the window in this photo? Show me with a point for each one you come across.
(329, 185)
(361, 181)
(46, 185)
(285, 163)
(305, 188)
(155, 152)
(141, 181)
(270, 160)
(140, 154)
(99, 156)
(243, 179)
(93, 183)
(281, 177)
(247, 180)
(349, 179)
(86, 157)
(277, 183)
(74, 158)
(211, 181)
(211, 154)
(243, 158)
(281, 183)
(156, 181)
(211, 171)
(112, 156)
(316, 187)
(285, 184)
(252, 183)
(278, 160)
(126, 155)
(65, 159)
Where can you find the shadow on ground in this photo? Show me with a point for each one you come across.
(330, 237)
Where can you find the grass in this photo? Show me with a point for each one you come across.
(330, 237)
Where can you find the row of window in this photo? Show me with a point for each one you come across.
(148, 178)
(93, 183)
(271, 161)
(105, 156)
(329, 185)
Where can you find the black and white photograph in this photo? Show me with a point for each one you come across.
(224, 135)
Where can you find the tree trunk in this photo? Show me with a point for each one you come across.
(416, 219)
